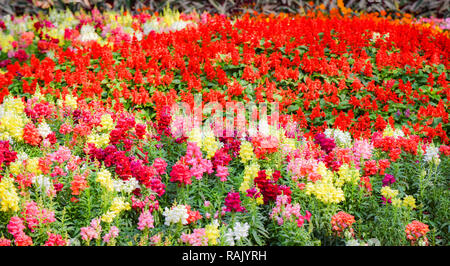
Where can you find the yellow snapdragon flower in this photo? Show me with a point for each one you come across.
(212, 233)
(12, 119)
(9, 200)
(16, 167)
(12, 125)
(100, 140)
(250, 172)
(325, 192)
(396, 202)
(32, 166)
(71, 101)
(260, 200)
(104, 178)
(322, 170)
(14, 105)
(109, 216)
(246, 152)
(347, 175)
(409, 202)
(118, 205)
(107, 122)
(210, 144)
(388, 192)
(195, 136)
(6, 42)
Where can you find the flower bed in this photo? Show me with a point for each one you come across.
(93, 153)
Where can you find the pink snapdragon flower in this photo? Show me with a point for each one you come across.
(145, 221)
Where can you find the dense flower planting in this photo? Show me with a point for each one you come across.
(90, 153)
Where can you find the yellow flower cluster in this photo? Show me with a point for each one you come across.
(260, 200)
(408, 201)
(246, 152)
(32, 166)
(16, 167)
(324, 189)
(104, 178)
(71, 101)
(100, 140)
(118, 205)
(210, 144)
(212, 233)
(195, 136)
(325, 192)
(388, 132)
(6, 41)
(269, 173)
(347, 175)
(115, 21)
(326, 174)
(12, 119)
(9, 200)
(14, 105)
(392, 132)
(388, 192)
(107, 122)
(250, 172)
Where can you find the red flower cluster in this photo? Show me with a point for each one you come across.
(38, 110)
(269, 187)
(7, 156)
(221, 158)
(233, 202)
(177, 64)
(193, 215)
(264, 145)
(55, 240)
(128, 166)
(31, 135)
(326, 144)
(181, 173)
(79, 183)
(416, 231)
(342, 221)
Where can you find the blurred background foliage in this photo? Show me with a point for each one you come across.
(418, 8)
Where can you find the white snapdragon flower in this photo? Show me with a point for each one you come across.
(176, 215)
(229, 237)
(42, 182)
(240, 230)
(44, 129)
(178, 25)
(138, 35)
(399, 133)
(432, 154)
(342, 138)
(87, 33)
(126, 186)
(151, 25)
